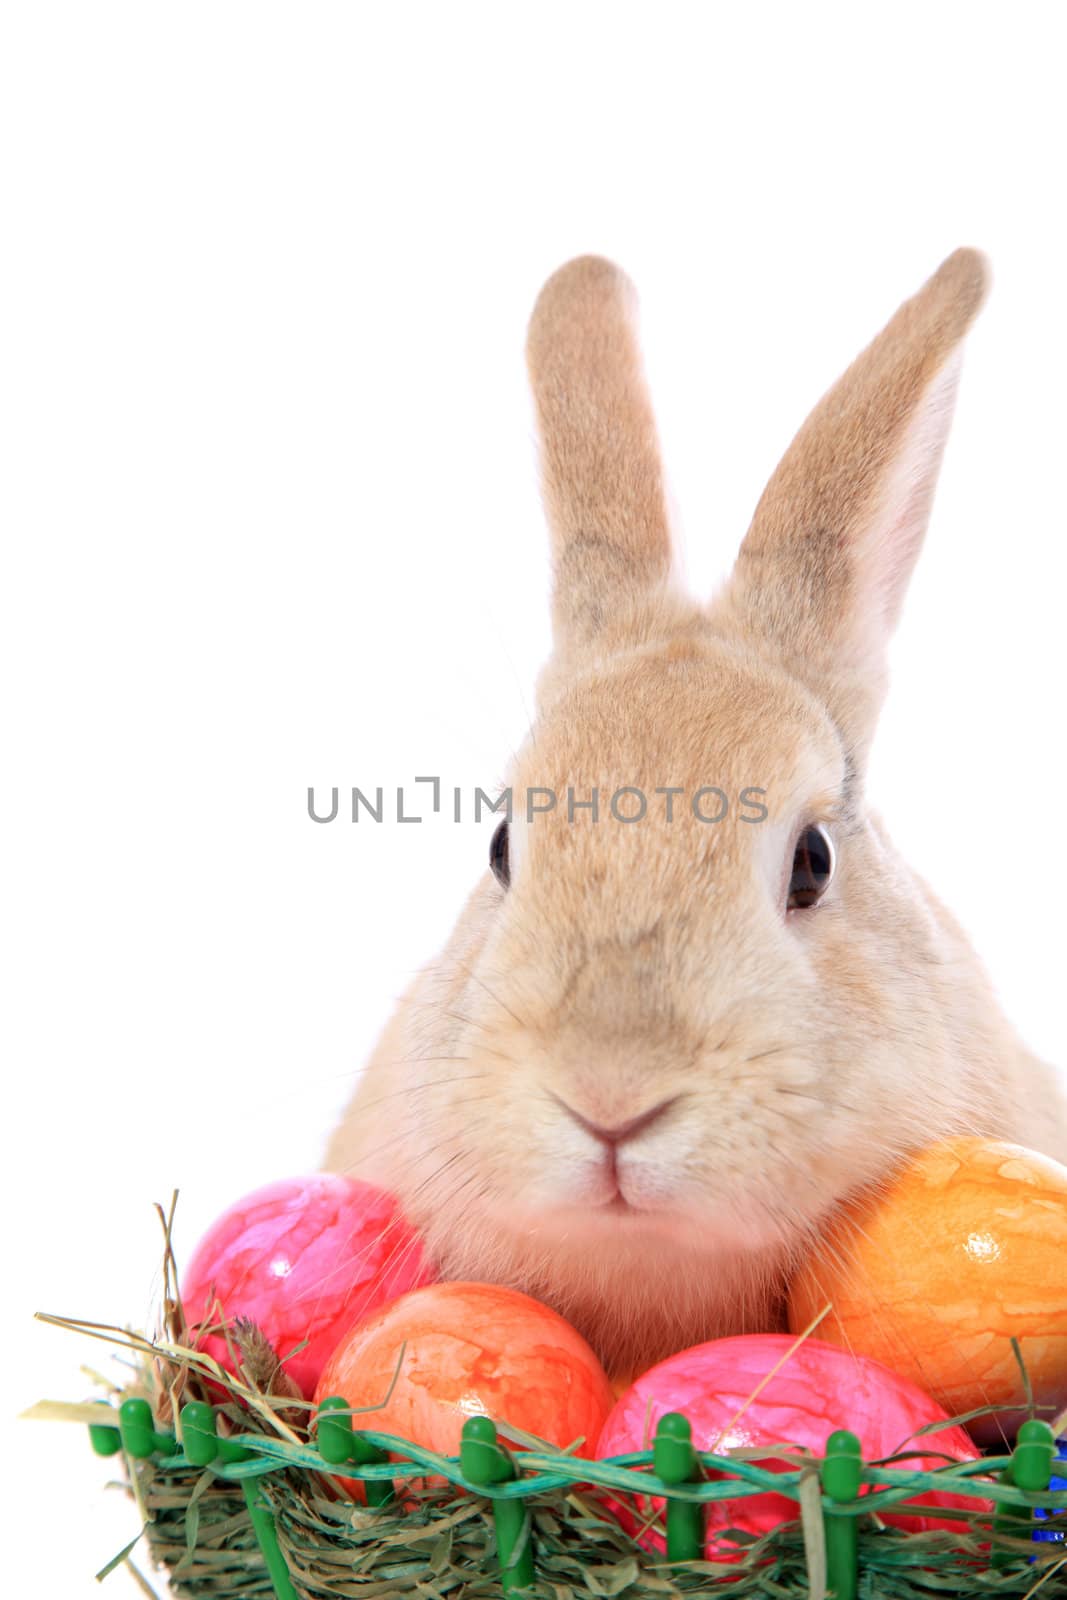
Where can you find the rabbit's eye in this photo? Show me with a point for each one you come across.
(499, 859)
(813, 867)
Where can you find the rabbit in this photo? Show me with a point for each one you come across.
(654, 1056)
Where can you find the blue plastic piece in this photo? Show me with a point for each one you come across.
(1057, 1535)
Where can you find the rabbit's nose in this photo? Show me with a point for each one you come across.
(622, 1130)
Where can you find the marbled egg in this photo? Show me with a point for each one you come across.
(458, 1350)
(304, 1258)
(933, 1277)
(816, 1390)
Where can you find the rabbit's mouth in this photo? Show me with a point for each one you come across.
(619, 1209)
(619, 1200)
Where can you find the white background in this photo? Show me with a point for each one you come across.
(271, 519)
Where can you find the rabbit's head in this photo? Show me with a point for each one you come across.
(681, 1020)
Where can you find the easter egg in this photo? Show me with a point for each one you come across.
(804, 1395)
(933, 1276)
(470, 1349)
(304, 1258)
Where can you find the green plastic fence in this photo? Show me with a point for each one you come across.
(673, 1470)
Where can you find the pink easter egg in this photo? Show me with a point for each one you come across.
(304, 1258)
(820, 1388)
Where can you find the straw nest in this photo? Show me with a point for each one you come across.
(441, 1544)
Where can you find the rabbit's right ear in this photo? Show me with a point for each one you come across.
(600, 463)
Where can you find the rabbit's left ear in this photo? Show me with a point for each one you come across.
(600, 462)
(823, 568)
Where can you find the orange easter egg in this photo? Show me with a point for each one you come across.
(966, 1248)
(470, 1349)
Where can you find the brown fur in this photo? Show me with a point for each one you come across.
(804, 1053)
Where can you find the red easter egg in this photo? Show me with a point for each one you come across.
(304, 1258)
(817, 1390)
(470, 1349)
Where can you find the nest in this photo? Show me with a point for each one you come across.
(445, 1547)
(444, 1543)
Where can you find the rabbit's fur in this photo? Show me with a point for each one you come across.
(801, 1053)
